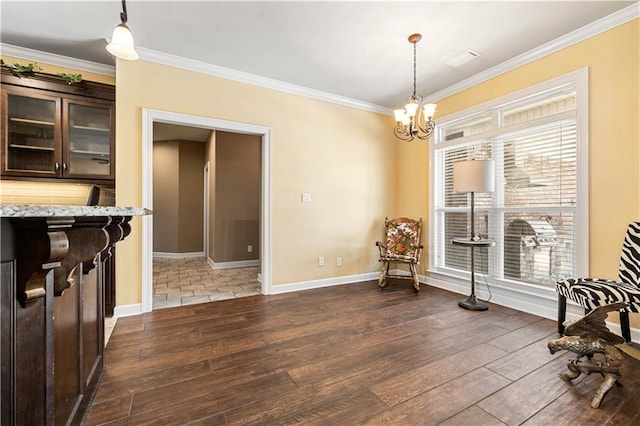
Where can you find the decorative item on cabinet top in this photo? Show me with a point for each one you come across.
(69, 83)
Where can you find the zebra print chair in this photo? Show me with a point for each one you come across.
(593, 292)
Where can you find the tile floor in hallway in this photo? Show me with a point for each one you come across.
(179, 282)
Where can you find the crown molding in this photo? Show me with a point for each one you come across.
(256, 80)
(191, 65)
(608, 22)
(59, 60)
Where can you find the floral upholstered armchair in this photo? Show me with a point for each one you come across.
(401, 245)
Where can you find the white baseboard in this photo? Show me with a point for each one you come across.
(166, 255)
(542, 302)
(127, 310)
(328, 282)
(235, 264)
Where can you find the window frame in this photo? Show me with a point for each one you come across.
(577, 80)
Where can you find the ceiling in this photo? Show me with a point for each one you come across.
(356, 49)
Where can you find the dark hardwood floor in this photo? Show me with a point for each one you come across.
(346, 355)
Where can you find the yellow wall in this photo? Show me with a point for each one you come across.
(614, 146)
(344, 157)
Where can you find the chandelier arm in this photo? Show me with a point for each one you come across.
(427, 129)
(401, 132)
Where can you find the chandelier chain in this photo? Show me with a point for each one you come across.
(414, 69)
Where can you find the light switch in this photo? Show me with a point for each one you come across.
(306, 197)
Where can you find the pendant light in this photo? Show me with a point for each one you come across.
(121, 44)
(414, 120)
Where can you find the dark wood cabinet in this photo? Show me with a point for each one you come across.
(109, 275)
(52, 274)
(78, 344)
(55, 131)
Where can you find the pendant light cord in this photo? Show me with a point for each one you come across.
(123, 15)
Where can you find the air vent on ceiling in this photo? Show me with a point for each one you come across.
(462, 58)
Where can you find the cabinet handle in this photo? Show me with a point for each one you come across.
(64, 166)
(57, 166)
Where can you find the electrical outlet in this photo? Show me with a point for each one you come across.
(249, 248)
(320, 260)
(338, 261)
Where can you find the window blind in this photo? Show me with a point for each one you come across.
(534, 145)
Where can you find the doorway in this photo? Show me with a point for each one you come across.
(149, 117)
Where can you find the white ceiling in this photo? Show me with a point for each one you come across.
(353, 49)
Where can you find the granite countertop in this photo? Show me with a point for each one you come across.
(32, 210)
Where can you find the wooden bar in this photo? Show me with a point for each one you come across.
(52, 308)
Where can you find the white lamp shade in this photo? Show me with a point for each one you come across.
(398, 114)
(429, 110)
(473, 176)
(411, 108)
(121, 44)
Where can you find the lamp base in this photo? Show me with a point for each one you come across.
(472, 303)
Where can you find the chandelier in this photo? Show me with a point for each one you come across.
(413, 121)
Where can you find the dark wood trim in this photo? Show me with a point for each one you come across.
(53, 83)
(103, 182)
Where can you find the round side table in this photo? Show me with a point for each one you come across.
(472, 302)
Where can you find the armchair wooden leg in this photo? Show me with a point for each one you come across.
(414, 275)
(562, 313)
(624, 325)
(382, 281)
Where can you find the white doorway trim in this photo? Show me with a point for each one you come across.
(149, 116)
(206, 215)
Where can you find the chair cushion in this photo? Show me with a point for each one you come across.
(593, 292)
(402, 239)
(399, 258)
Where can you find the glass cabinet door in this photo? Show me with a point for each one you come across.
(32, 137)
(89, 135)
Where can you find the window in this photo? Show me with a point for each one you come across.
(538, 211)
